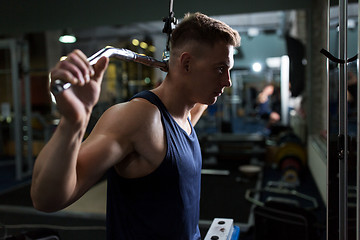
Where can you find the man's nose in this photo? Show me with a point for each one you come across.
(227, 80)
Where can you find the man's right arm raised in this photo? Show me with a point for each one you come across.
(55, 178)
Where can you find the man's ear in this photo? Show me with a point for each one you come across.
(185, 61)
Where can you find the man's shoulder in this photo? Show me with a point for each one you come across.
(132, 115)
(137, 107)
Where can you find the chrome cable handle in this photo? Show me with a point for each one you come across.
(119, 53)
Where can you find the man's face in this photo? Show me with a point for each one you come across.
(211, 73)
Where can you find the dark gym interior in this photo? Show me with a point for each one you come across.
(275, 168)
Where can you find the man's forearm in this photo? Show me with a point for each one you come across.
(197, 111)
(54, 176)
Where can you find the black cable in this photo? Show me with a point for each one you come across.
(337, 60)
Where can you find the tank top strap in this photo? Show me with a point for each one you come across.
(151, 97)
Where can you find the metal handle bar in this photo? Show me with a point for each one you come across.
(119, 53)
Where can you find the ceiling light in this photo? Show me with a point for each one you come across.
(67, 37)
(273, 62)
(351, 24)
(253, 32)
(152, 48)
(256, 67)
(147, 80)
(143, 45)
(135, 42)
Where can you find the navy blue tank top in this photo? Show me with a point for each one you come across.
(163, 205)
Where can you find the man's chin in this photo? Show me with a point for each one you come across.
(212, 101)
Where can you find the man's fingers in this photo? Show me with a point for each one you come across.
(100, 67)
(79, 67)
(85, 60)
(64, 75)
(72, 72)
(76, 69)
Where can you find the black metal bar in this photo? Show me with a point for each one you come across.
(343, 125)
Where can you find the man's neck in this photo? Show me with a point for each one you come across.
(175, 99)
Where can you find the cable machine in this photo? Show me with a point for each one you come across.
(342, 156)
(20, 118)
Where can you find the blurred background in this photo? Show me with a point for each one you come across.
(267, 135)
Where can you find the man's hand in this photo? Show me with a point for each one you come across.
(76, 103)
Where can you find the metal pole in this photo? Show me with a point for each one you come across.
(284, 89)
(343, 128)
(17, 109)
(328, 212)
(358, 145)
(171, 6)
(27, 88)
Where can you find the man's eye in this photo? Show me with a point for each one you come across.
(221, 69)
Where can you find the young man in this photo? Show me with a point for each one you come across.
(147, 146)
